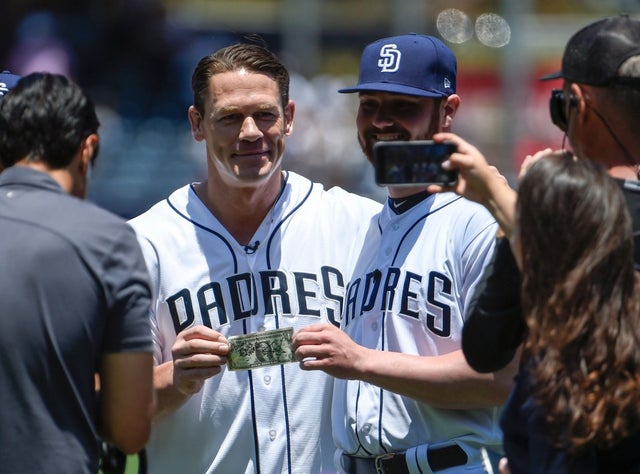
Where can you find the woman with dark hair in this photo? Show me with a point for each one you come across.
(576, 403)
(575, 406)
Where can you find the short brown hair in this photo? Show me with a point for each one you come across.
(251, 57)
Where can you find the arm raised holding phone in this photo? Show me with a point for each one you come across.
(478, 181)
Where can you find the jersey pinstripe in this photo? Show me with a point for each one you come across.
(409, 293)
(269, 419)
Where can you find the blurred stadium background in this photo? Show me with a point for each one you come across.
(135, 58)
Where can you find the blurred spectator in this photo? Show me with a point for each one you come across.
(38, 46)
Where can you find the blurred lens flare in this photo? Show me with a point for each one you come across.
(492, 30)
(454, 25)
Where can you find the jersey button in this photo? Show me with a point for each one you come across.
(272, 434)
(374, 326)
(387, 251)
(366, 428)
(395, 226)
(267, 379)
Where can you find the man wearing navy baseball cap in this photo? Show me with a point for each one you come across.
(428, 69)
(405, 400)
(419, 69)
(7, 82)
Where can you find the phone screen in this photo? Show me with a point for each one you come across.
(413, 163)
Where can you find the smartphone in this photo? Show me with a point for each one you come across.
(413, 163)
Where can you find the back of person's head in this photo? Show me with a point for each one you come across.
(412, 64)
(45, 118)
(570, 212)
(579, 295)
(241, 56)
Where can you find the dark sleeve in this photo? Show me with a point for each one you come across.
(129, 295)
(495, 326)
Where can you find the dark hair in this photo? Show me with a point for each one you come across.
(45, 118)
(252, 57)
(579, 295)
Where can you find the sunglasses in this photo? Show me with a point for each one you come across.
(557, 109)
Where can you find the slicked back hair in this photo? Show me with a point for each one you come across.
(251, 57)
(45, 118)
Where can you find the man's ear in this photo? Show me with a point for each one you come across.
(195, 119)
(448, 110)
(88, 149)
(289, 111)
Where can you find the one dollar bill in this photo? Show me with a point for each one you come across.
(260, 349)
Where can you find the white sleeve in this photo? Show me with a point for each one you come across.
(476, 254)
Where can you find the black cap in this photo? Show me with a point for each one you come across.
(594, 54)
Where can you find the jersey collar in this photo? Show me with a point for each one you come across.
(403, 204)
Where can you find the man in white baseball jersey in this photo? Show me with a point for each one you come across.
(406, 401)
(250, 249)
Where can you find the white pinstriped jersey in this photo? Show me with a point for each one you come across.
(409, 293)
(271, 419)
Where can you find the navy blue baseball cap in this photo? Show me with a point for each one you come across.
(7, 82)
(594, 54)
(412, 64)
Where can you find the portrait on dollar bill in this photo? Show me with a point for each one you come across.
(260, 349)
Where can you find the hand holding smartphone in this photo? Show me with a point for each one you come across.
(413, 163)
